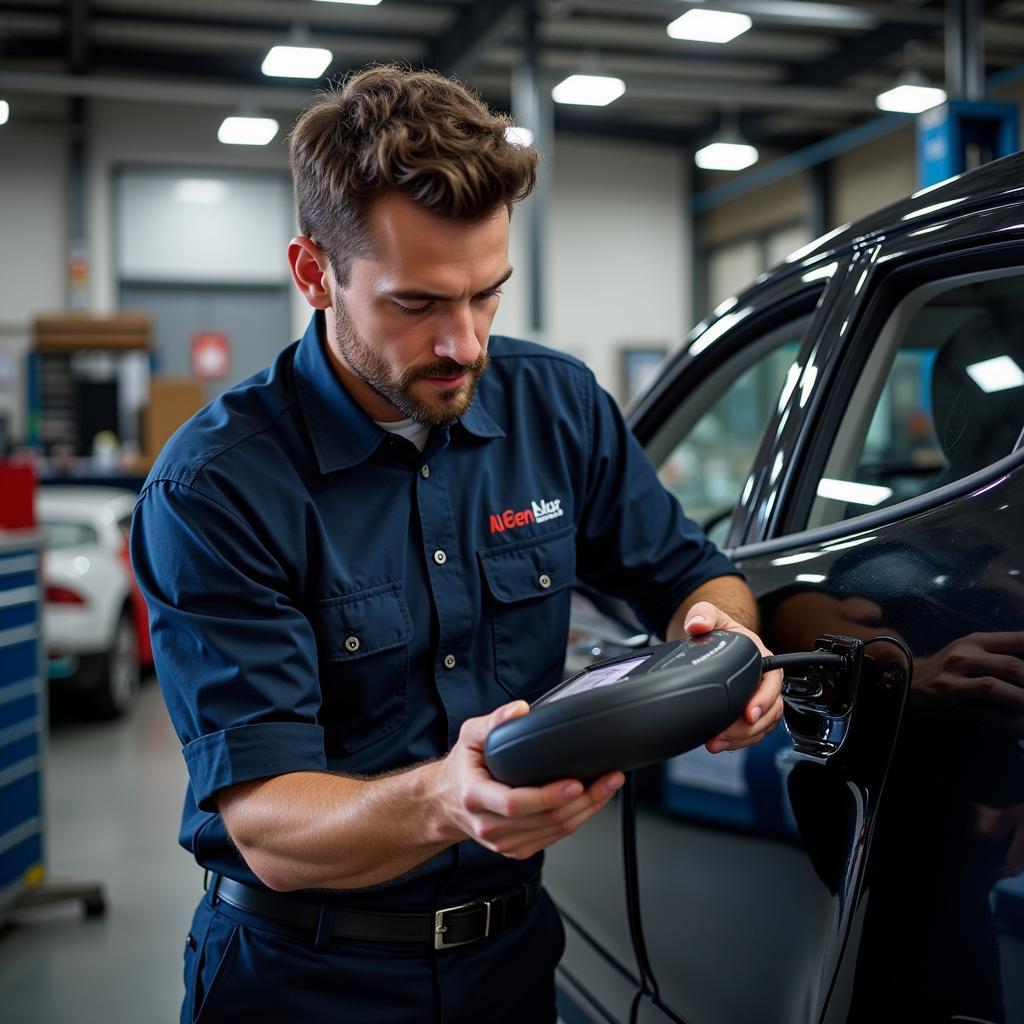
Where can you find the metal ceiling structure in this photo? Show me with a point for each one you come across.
(807, 70)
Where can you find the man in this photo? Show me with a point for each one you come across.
(359, 562)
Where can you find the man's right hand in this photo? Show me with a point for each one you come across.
(514, 821)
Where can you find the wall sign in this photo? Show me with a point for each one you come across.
(211, 355)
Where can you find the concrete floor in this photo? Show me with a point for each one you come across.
(114, 793)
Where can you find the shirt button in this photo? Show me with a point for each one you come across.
(424, 472)
(352, 644)
(440, 557)
(449, 661)
(544, 580)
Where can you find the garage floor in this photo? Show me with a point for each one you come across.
(114, 795)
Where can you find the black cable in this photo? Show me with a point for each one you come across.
(801, 658)
(648, 983)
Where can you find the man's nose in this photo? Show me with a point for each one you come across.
(458, 340)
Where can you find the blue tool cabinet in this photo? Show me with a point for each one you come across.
(22, 716)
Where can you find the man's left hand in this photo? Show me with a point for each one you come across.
(764, 710)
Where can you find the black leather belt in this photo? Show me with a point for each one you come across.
(445, 928)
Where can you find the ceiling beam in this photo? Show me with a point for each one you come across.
(476, 28)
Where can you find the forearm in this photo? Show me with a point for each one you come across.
(311, 830)
(729, 593)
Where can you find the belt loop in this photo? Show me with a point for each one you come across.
(213, 884)
(323, 927)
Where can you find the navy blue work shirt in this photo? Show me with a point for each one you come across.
(325, 597)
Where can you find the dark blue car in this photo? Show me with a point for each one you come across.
(849, 429)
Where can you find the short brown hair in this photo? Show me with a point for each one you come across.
(389, 128)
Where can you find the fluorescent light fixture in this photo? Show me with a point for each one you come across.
(998, 374)
(910, 98)
(200, 191)
(5, 111)
(362, 3)
(704, 26)
(588, 90)
(854, 493)
(296, 61)
(726, 156)
(247, 131)
(519, 136)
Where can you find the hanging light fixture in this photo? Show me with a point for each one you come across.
(704, 26)
(912, 94)
(728, 150)
(588, 90)
(247, 130)
(297, 58)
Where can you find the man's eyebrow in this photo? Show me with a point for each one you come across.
(418, 295)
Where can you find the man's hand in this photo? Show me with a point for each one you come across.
(764, 710)
(517, 822)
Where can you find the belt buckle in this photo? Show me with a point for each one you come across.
(440, 928)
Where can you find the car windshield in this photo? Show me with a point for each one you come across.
(68, 535)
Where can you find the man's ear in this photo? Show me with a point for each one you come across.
(311, 271)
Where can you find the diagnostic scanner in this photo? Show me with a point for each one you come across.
(629, 711)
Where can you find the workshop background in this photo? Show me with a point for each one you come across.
(142, 272)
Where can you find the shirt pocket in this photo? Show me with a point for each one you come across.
(530, 588)
(363, 647)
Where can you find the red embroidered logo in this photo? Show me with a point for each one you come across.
(509, 520)
(539, 512)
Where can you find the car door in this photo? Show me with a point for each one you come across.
(897, 514)
(735, 370)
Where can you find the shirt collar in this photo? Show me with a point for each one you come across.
(343, 435)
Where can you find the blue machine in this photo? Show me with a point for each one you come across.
(946, 135)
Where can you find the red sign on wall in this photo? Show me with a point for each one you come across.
(211, 355)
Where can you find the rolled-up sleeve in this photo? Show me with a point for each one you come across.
(634, 540)
(235, 658)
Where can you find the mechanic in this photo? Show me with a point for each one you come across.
(360, 560)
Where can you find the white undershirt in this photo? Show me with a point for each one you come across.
(411, 430)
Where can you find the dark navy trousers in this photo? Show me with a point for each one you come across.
(240, 967)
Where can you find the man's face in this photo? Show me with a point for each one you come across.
(408, 331)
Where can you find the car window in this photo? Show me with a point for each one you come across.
(704, 451)
(939, 397)
(68, 535)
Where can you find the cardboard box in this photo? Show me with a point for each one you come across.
(172, 400)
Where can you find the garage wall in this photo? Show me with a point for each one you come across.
(617, 274)
(615, 236)
(872, 176)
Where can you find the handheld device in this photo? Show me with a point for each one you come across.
(629, 711)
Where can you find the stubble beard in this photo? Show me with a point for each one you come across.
(371, 368)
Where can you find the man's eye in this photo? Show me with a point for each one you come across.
(413, 310)
(486, 296)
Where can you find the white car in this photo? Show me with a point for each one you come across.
(94, 622)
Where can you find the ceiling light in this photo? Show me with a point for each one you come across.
(296, 61)
(5, 111)
(726, 156)
(519, 136)
(203, 191)
(854, 493)
(704, 26)
(588, 90)
(362, 3)
(247, 131)
(912, 95)
(998, 374)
